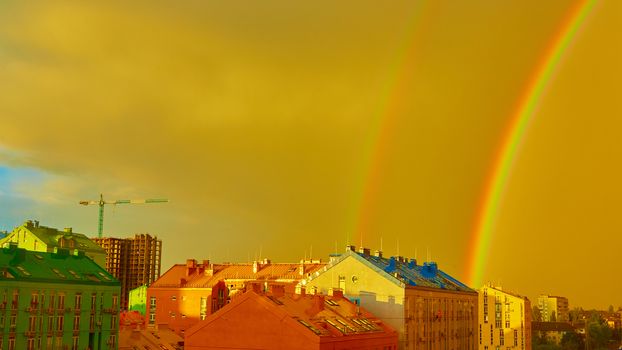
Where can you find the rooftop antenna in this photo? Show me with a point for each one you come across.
(427, 250)
(335, 246)
(311, 252)
(380, 243)
(260, 252)
(398, 247)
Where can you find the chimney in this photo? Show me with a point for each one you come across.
(266, 261)
(191, 266)
(412, 263)
(278, 290)
(66, 229)
(316, 306)
(301, 268)
(205, 263)
(392, 265)
(378, 253)
(255, 266)
(364, 251)
(336, 293)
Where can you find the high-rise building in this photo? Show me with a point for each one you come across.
(133, 261)
(504, 320)
(553, 308)
(34, 237)
(430, 309)
(56, 301)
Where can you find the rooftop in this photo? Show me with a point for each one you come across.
(206, 275)
(324, 316)
(18, 264)
(407, 273)
(52, 237)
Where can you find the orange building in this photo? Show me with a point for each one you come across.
(187, 294)
(257, 320)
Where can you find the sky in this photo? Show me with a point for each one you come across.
(286, 130)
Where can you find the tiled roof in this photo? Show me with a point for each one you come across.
(324, 316)
(407, 273)
(18, 264)
(206, 277)
(162, 338)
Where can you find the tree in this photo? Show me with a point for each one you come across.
(611, 310)
(598, 332)
(536, 314)
(572, 341)
(553, 317)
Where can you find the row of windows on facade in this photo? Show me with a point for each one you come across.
(35, 343)
(501, 336)
(37, 300)
(202, 306)
(54, 323)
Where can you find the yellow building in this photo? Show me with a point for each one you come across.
(553, 308)
(34, 237)
(504, 320)
(429, 309)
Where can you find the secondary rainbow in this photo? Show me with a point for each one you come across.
(525, 111)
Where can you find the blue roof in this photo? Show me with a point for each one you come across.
(410, 274)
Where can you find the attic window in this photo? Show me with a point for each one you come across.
(74, 274)
(92, 277)
(313, 329)
(23, 270)
(104, 275)
(330, 302)
(5, 273)
(275, 300)
(58, 273)
(38, 257)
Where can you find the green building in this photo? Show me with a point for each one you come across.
(32, 236)
(138, 299)
(56, 301)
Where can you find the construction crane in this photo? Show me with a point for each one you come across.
(101, 202)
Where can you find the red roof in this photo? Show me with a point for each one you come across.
(202, 276)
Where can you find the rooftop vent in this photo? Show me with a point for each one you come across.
(378, 253)
(364, 251)
(350, 248)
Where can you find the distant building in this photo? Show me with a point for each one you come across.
(56, 301)
(133, 261)
(258, 320)
(188, 293)
(34, 237)
(553, 332)
(428, 308)
(553, 308)
(504, 320)
(138, 300)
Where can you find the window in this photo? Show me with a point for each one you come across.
(60, 322)
(12, 322)
(115, 301)
(15, 301)
(515, 337)
(113, 322)
(74, 345)
(32, 323)
(50, 324)
(30, 344)
(11, 343)
(76, 323)
(203, 308)
(61, 301)
(34, 299)
(501, 336)
(93, 301)
(78, 301)
(92, 322)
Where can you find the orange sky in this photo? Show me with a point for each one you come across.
(258, 120)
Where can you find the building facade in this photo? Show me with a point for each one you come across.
(504, 320)
(138, 300)
(428, 308)
(187, 294)
(34, 237)
(133, 261)
(56, 301)
(276, 320)
(553, 308)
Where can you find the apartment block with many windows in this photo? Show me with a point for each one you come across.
(56, 301)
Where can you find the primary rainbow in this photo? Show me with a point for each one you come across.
(528, 103)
